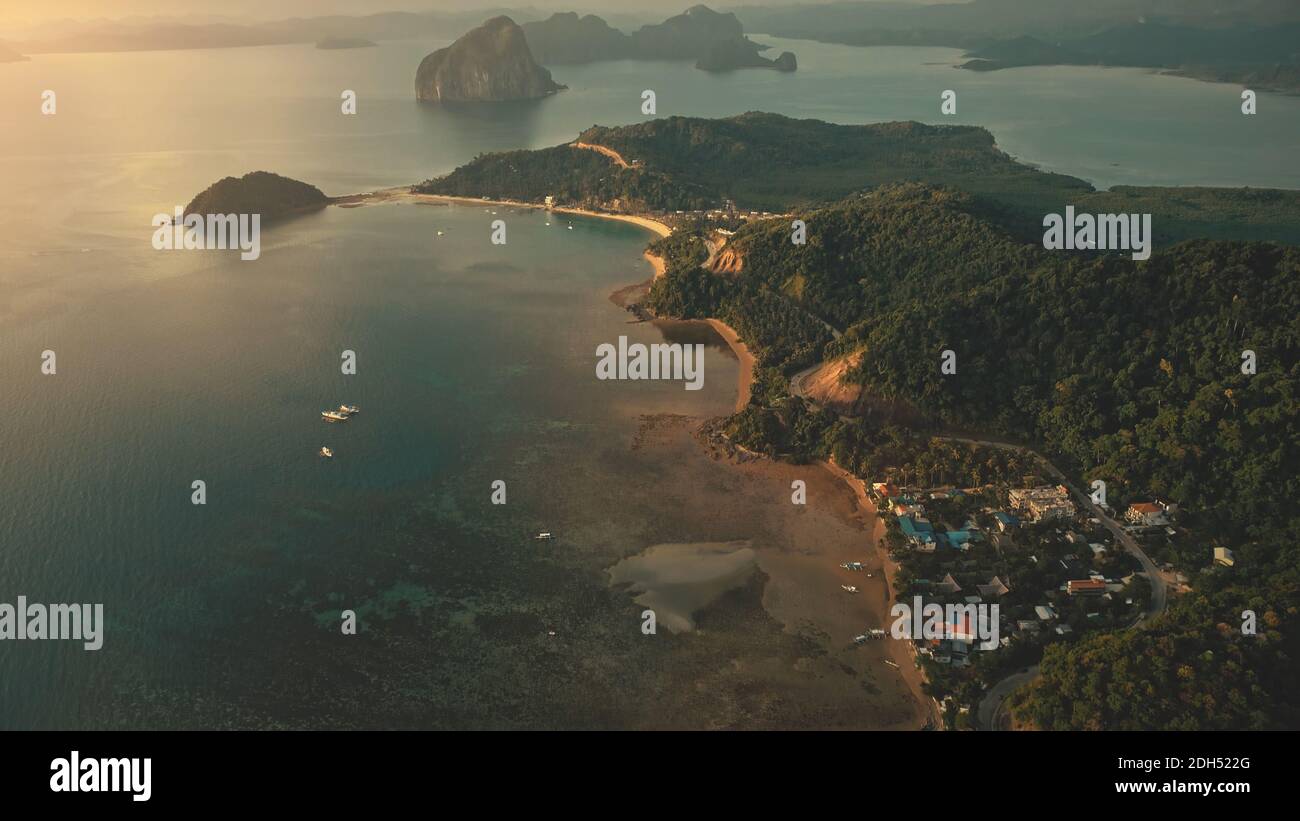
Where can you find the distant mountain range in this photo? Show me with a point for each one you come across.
(1255, 41)
(996, 19)
(1268, 57)
(156, 34)
(715, 40)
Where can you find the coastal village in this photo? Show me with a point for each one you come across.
(1054, 571)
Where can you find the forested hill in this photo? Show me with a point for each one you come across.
(761, 161)
(1121, 370)
(768, 162)
(1130, 370)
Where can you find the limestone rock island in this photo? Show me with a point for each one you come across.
(492, 63)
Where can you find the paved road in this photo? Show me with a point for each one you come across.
(990, 707)
(796, 382)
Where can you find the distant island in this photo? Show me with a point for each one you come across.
(492, 63)
(345, 42)
(716, 41)
(567, 39)
(728, 55)
(259, 192)
(8, 55)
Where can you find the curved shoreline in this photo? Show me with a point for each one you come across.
(745, 375)
(745, 378)
(913, 678)
(404, 194)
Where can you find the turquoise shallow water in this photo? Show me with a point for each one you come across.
(475, 361)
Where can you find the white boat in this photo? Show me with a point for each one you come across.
(544, 536)
(891, 664)
(334, 416)
(848, 588)
(327, 453)
(349, 409)
(860, 639)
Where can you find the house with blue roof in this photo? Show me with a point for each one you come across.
(918, 531)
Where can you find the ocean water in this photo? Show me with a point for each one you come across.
(475, 363)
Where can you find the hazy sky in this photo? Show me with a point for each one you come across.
(36, 11)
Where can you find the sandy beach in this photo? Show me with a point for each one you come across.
(656, 262)
(745, 376)
(404, 194)
(902, 653)
(785, 637)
